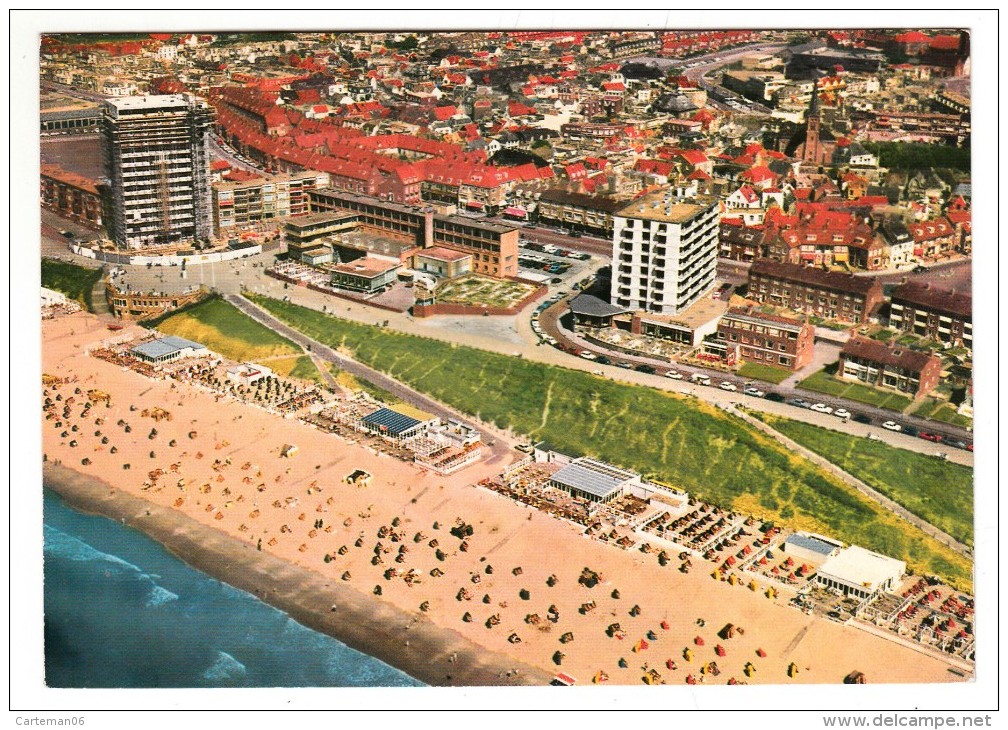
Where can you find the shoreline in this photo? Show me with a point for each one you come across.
(370, 626)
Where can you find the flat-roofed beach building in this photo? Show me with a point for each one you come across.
(167, 349)
(858, 572)
(593, 480)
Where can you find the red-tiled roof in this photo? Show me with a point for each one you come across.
(889, 355)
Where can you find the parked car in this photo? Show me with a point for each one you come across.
(602, 360)
(700, 379)
(624, 365)
(873, 436)
(645, 369)
(587, 355)
(861, 418)
(936, 437)
(775, 397)
(821, 408)
(842, 413)
(956, 443)
(892, 426)
(910, 431)
(728, 386)
(754, 392)
(799, 402)
(674, 374)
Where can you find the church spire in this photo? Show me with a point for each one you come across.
(814, 105)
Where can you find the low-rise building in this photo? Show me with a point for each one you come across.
(368, 274)
(944, 315)
(860, 573)
(253, 199)
(70, 195)
(167, 349)
(933, 239)
(767, 339)
(442, 262)
(827, 294)
(889, 366)
(594, 480)
(579, 212)
(810, 547)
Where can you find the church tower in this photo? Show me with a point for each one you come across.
(811, 152)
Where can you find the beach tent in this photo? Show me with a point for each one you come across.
(698, 640)
(671, 664)
(567, 638)
(641, 645)
(732, 579)
(760, 653)
(792, 669)
(855, 677)
(600, 677)
(727, 632)
(623, 663)
(720, 650)
(665, 625)
(750, 669)
(690, 679)
(687, 654)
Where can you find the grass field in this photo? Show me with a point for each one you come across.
(767, 373)
(936, 490)
(225, 330)
(675, 439)
(823, 382)
(939, 410)
(70, 279)
(295, 366)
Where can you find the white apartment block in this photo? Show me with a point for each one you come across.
(665, 247)
(156, 158)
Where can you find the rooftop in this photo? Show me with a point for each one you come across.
(894, 356)
(592, 306)
(812, 542)
(745, 315)
(368, 266)
(925, 295)
(660, 206)
(810, 275)
(390, 422)
(699, 313)
(857, 566)
(164, 346)
(595, 477)
(442, 254)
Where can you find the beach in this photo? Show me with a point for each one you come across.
(210, 483)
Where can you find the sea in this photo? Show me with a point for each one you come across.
(123, 612)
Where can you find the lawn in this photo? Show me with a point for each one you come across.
(767, 373)
(70, 279)
(938, 491)
(227, 331)
(675, 439)
(476, 291)
(939, 410)
(823, 382)
(295, 366)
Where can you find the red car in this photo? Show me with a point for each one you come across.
(930, 437)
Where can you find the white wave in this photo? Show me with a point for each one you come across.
(69, 547)
(159, 596)
(225, 669)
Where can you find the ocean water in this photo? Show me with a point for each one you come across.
(121, 611)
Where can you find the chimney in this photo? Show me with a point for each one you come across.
(428, 227)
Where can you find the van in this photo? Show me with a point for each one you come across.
(700, 379)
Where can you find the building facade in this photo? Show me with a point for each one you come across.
(768, 340)
(241, 203)
(70, 195)
(945, 315)
(827, 294)
(156, 158)
(896, 368)
(665, 249)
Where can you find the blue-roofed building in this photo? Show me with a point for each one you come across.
(593, 480)
(167, 349)
(808, 547)
(392, 425)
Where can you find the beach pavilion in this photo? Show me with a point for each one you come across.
(861, 573)
(393, 425)
(167, 349)
(593, 480)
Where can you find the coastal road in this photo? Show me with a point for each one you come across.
(499, 445)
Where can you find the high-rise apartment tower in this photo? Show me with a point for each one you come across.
(157, 163)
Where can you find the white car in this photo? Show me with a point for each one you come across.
(874, 436)
(842, 413)
(754, 392)
(588, 355)
(728, 386)
(892, 426)
(674, 374)
(821, 408)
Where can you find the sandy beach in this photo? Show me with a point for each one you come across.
(291, 531)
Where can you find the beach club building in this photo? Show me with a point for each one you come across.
(860, 573)
(807, 547)
(368, 274)
(168, 349)
(393, 425)
(593, 480)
